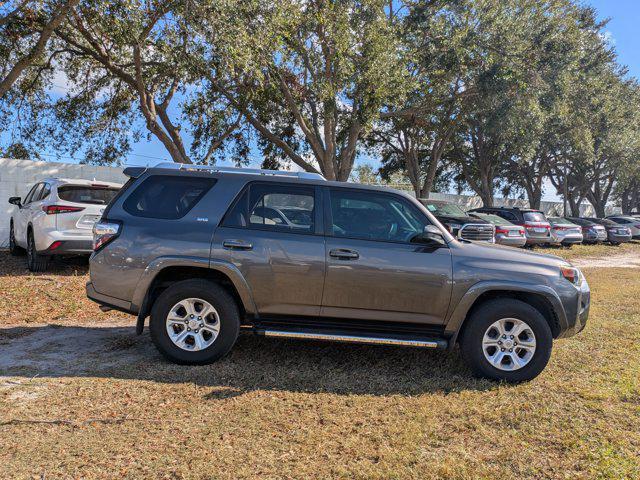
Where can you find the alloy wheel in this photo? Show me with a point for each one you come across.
(193, 324)
(509, 344)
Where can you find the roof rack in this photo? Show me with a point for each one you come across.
(247, 171)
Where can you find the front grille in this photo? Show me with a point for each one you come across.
(477, 232)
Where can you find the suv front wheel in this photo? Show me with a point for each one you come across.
(507, 339)
(194, 322)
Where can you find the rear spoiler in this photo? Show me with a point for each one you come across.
(134, 172)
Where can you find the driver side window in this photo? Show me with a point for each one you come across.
(374, 216)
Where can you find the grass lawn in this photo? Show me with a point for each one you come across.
(81, 396)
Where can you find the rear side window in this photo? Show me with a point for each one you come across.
(95, 195)
(167, 197)
(274, 207)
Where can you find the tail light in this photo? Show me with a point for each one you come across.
(521, 231)
(502, 231)
(105, 232)
(55, 209)
(560, 228)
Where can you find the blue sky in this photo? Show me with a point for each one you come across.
(622, 32)
(623, 27)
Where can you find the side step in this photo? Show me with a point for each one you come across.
(404, 340)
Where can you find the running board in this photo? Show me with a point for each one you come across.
(350, 338)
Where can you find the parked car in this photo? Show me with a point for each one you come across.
(56, 217)
(185, 246)
(631, 223)
(564, 231)
(536, 227)
(616, 234)
(458, 222)
(591, 231)
(506, 233)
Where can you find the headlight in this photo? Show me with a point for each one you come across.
(572, 274)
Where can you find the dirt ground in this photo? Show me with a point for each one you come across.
(82, 397)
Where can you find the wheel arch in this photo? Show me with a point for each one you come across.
(539, 297)
(165, 272)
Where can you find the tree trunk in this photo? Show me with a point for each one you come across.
(574, 205)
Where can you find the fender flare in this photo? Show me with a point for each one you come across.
(138, 303)
(459, 314)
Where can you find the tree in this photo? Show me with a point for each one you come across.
(25, 30)
(132, 62)
(415, 130)
(315, 80)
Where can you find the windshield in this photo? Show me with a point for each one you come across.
(446, 209)
(559, 220)
(495, 219)
(87, 194)
(534, 217)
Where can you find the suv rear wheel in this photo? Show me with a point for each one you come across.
(35, 261)
(194, 322)
(507, 339)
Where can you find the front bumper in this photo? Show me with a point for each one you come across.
(578, 311)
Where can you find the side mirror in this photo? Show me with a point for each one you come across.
(15, 201)
(431, 236)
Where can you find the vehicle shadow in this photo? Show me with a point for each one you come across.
(255, 363)
(66, 266)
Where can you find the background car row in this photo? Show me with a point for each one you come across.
(519, 227)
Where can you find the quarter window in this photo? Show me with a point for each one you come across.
(274, 207)
(374, 216)
(167, 197)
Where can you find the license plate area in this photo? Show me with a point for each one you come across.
(87, 221)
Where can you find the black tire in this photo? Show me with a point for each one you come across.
(14, 249)
(615, 244)
(219, 298)
(480, 321)
(35, 261)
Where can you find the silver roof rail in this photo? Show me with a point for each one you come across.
(248, 171)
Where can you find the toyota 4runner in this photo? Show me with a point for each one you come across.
(208, 251)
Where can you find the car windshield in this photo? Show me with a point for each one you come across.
(622, 220)
(99, 195)
(495, 219)
(560, 220)
(447, 209)
(583, 222)
(534, 217)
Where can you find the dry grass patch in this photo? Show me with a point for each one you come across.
(55, 296)
(276, 408)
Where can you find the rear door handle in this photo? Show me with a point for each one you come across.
(237, 245)
(344, 254)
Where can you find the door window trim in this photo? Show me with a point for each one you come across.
(246, 190)
(328, 217)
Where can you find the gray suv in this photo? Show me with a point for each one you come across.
(206, 252)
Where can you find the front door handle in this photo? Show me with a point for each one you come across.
(237, 245)
(344, 254)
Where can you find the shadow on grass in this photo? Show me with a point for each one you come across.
(64, 266)
(255, 363)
